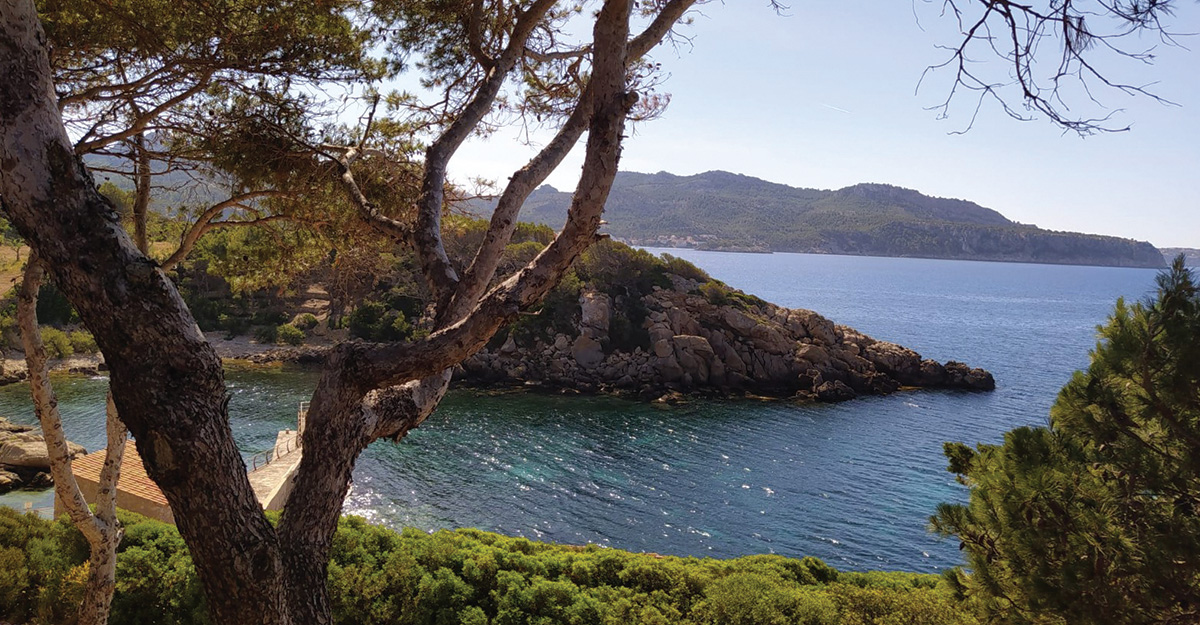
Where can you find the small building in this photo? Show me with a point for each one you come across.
(272, 475)
(136, 492)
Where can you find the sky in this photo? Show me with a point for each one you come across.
(826, 96)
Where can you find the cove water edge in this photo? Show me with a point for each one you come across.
(851, 483)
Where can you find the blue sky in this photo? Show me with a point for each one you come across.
(826, 96)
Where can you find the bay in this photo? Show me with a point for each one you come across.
(851, 483)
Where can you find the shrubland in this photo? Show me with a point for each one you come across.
(380, 576)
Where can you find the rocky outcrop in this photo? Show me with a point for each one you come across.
(24, 462)
(12, 366)
(740, 346)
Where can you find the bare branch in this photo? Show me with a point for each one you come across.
(1021, 29)
(204, 223)
(83, 147)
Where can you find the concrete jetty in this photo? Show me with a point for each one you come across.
(271, 472)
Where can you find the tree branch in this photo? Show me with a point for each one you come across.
(45, 405)
(84, 147)
(204, 223)
(427, 236)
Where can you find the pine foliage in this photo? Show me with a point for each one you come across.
(1094, 519)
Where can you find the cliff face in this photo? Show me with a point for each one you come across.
(719, 342)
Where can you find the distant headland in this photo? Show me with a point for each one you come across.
(730, 212)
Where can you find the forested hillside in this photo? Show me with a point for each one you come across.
(723, 211)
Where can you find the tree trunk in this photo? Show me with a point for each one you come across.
(102, 561)
(102, 530)
(141, 198)
(167, 382)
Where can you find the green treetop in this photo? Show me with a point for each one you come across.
(1094, 519)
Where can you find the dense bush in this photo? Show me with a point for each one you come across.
(376, 321)
(266, 335)
(53, 307)
(83, 342)
(716, 293)
(684, 269)
(58, 343)
(290, 334)
(305, 322)
(378, 576)
(617, 269)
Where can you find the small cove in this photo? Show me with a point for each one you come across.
(852, 483)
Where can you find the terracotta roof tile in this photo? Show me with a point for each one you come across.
(133, 474)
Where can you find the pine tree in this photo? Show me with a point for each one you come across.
(1096, 518)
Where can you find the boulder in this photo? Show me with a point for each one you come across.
(769, 339)
(587, 352)
(899, 362)
(962, 376)
(659, 332)
(738, 321)
(813, 354)
(835, 390)
(695, 357)
(27, 449)
(9, 481)
(7, 426)
(819, 328)
(595, 313)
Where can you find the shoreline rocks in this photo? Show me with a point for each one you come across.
(739, 346)
(24, 462)
(685, 340)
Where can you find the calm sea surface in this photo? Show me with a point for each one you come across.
(851, 483)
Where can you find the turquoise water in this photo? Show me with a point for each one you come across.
(852, 483)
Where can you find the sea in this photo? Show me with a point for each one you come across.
(852, 483)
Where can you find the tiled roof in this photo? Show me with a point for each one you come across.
(134, 480)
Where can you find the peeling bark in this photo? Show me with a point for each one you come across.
(101, 530)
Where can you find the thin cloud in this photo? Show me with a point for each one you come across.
(830, 106)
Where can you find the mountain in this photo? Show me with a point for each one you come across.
(1191, 256)
(724, 211)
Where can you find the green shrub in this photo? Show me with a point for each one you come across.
(306, 322)
(83, 342)
(233, 326)
(266, 334)
(716, 293)
(756, 599)
(684, 269)
(271, 316)
(381, 577)
(10, 334)
(289, 334)
(58, 344)
(376, 321)
(875, 605)
(617, 269)
(53, 307)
